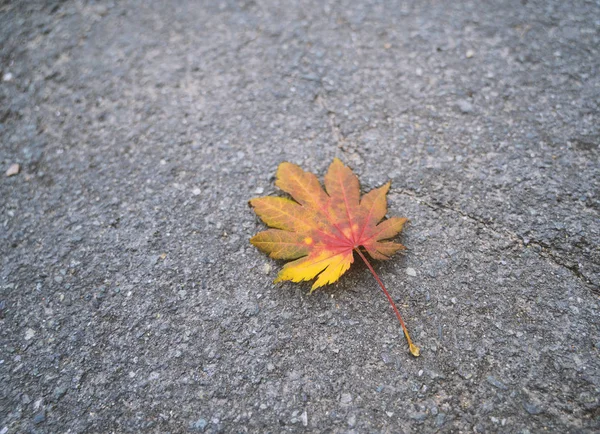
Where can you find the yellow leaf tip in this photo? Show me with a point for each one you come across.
(315, 285)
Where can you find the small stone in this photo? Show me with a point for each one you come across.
(4, 430)
(532, 408)
(351, 420)
(496, 383)
(418, 416)
(267, 268)
(440, 419)
(13, 170)
(345, 399)
(259, 190)
(464, 106)
(411, 272)
(29, 334)
(465, 374)
(304, 418)
(199, 425)
(59, 392)
(252, 310)
(40, 417)
(389, 413)
(196, 191)
(8, 76)
(469, 54)
(96, 301)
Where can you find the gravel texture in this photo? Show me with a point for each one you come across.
(131, 299)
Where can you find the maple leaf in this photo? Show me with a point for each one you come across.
(321, 230)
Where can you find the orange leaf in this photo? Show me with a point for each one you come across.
(321, 230)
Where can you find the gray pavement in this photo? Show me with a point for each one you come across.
(131, 299)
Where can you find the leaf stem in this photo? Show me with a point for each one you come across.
(414, 350)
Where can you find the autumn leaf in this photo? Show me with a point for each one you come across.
(322, 229)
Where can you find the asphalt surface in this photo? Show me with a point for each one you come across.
(131, 299)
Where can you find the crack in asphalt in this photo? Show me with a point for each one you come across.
(333, 124)
(549, 252)
(343, 144)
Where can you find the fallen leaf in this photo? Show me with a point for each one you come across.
(14, 169)
(321, 230)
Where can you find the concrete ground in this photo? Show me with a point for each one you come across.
(131, 299)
